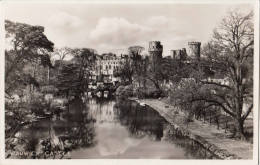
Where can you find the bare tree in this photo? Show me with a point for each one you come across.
(62, 53)
(236, 37)
(229, 56)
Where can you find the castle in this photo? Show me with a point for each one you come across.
(194, 49)
(193, 52)
(107, 64)
(155, 51)
(156, 48)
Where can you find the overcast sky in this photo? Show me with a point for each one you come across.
(114, 27)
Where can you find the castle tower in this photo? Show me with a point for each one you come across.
(155, 51)
(179, 54)
(194, 49)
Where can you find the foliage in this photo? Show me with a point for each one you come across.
(125, 91)
(132, 68)
(224, 77)
(27, 46)
(125, 72)
(69, 80)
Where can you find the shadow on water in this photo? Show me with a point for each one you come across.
(140, 120)
(110, 128)
(143, 120)
(64, 132)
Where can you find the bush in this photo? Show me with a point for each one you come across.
(125, 91)
(38, 104)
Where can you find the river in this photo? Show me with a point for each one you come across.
(112, 128)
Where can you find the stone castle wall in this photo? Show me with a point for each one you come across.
(194, 49)
(155, 51)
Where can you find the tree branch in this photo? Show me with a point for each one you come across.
(217, 84)
(247, 112)
(216, 102)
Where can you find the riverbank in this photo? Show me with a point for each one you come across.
(213, 139)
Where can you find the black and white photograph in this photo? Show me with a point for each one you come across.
(130, 80)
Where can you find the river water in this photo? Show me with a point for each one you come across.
(117, 129)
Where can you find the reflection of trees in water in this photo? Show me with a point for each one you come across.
(79, 129)
(139, 120)
(142, 119)
(101, 110)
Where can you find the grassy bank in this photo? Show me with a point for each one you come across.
(214, 139)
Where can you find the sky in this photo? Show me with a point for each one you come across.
(115, 27)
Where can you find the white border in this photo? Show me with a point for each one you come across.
(135, 161)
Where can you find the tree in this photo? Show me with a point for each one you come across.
(62, 53)
(168, 70)
(236, 37)
(136, 61)
(74, 77)
(85, 58)
(125, 72)
(135, 52)
(26, 57)
(69, 81)
(229, 55)
(27, 45)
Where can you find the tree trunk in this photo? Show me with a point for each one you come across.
(48, 76)
(239, 129)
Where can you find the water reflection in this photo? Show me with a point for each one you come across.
(67, 131)
(140, 120)
(110, 129)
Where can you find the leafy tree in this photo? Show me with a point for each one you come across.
(69, 80)
(125, 72)
(168, 70)
(74, 76)
(135, 53)
(85, 58)
(136, 61)
(27, 45)
(132, 68)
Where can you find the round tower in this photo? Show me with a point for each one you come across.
(155, 50)
(194, 49)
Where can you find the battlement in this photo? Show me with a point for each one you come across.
(194, 49)
(179, 53)
(194, 43)
(155, 46)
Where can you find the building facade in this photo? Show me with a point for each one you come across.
(105, 67)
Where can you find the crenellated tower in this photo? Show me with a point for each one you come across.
(155, 51)
(179, 54)
(194, 50)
